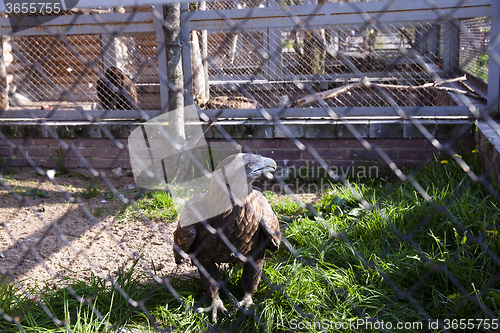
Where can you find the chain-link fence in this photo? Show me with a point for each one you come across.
(365, 197)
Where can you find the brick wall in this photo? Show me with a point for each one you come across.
(400, 141)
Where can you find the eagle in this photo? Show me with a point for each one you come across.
(116, 91)
(230, 212)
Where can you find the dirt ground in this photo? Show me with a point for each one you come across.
(45, 236)
(82, 246)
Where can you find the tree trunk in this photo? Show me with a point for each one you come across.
(5, 60)
(198, 77)
(199, 90)
(314, 53)
(172, 28)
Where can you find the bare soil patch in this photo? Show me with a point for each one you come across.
(43, 235)
(54, 236)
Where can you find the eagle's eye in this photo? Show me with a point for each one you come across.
(250, 165)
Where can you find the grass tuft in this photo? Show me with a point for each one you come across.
(155, 205)
(92, 191)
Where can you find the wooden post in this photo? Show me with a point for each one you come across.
(433, 42)
(421, 40)
(493, 106)
(185, 36)
(272, 44)
(162, 60)
(451, 58)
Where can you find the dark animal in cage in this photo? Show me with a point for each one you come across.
(118, 93)
(249, 224)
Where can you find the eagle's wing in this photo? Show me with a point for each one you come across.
(269, 223)
(185, 234)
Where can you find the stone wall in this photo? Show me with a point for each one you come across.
(400, 141)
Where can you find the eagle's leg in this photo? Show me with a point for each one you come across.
(250, 279)
(217, 304)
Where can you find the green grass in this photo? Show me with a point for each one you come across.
(402, 261)
(92, 191)
(282, 204)
(35, 193)
(155, 205)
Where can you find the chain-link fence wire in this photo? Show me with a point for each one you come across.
(374, 52)
(64, 68)
(64, 62)
(345, 51)
(235, 58)
(475, 59)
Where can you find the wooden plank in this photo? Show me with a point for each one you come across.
(141, 23)
(401, 5)
(112, 3)
(76, 115)
(442, 111)
(434, 111)
(336, 14)
(340, 77)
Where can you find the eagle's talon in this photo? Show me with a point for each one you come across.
(247, 302)
(216, 305)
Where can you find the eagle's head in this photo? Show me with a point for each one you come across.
(243, 166)
(256, 165)
(231, 183)
(236, 174)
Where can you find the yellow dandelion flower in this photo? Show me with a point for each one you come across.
(458, 155)
(475, 151)
(444, 161)
(492, 233)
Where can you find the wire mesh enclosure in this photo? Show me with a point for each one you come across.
(66, 68)
(378, 54)
(246, 166)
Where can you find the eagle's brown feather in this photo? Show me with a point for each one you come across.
(243, 227)
(250, 227)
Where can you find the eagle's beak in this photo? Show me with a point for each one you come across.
(269, 164)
